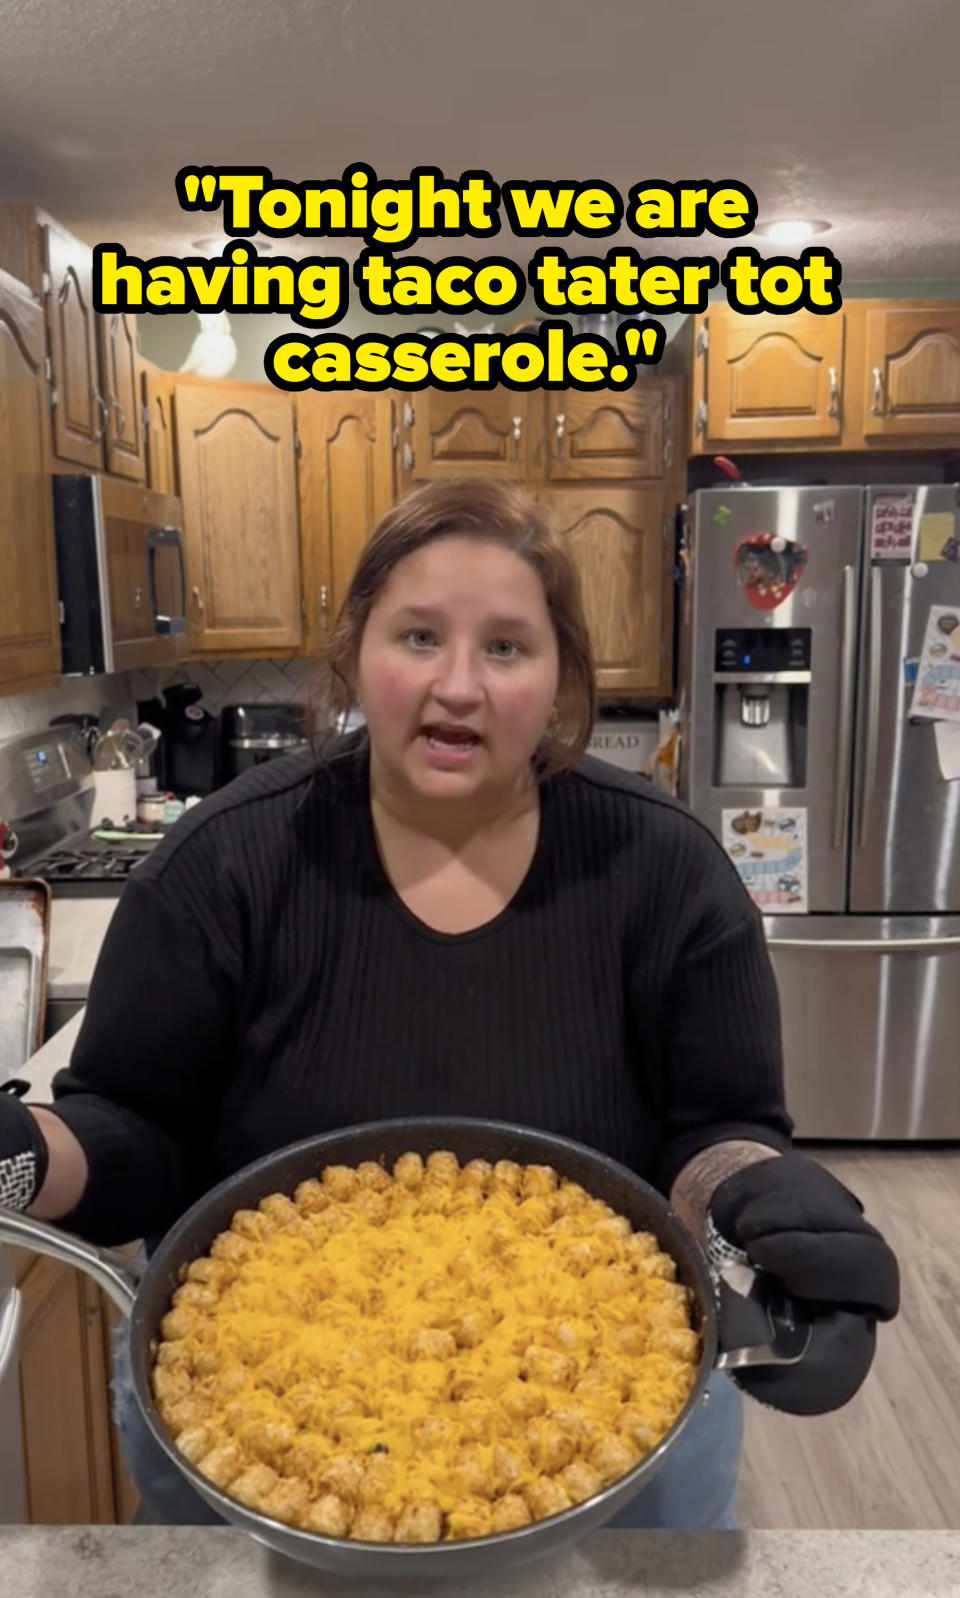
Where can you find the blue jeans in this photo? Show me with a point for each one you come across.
(694, 1489)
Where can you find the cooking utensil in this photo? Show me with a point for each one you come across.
(144, 1293)
(117, 749)
(24, 924)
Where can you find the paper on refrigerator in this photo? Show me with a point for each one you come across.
(947, 735)
(769, 849)
(936, 693)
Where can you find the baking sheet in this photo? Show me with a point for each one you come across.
(24, 939)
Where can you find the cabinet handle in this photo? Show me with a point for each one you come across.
(876, 408)
(97, 398)
(409, 414)
(517, 431)
(834, 406)
(197, 598)
(115, 405)
(324, 602)
(409, 459)
(558, 428)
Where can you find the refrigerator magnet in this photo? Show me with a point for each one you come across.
(768, 568)
(824, 512)
(891, 528)
(910, 665)
(920, 569)
(937, 530)
(936, 693)
(722, 515)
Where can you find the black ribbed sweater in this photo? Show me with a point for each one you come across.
(261, 982)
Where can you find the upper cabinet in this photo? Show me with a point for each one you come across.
(235, 445)
(78, 412)
(117, 338)
(595, 437)
(913, 372)
(156, 393)
(768, 377)
(346, 483)
(471, 433)
(29, 619)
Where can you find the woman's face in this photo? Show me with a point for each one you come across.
(458, 669)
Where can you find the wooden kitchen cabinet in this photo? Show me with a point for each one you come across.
(64, 1399)
(120, 379)
(764, 379)
(345, 483)
(474, 433)
(622, 539)
(156, 394)
(598, 436)
(912, 372)
(235, 451)
(78, 411)
(29, 616)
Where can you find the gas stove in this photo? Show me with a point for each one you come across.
(46, 797)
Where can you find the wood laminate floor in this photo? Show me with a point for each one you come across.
(891, 1458)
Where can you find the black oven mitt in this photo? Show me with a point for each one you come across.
(791, 1218)
(23, 1152)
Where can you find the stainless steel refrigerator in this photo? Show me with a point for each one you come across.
(807, 614)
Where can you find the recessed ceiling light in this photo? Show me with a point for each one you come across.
(795, 230)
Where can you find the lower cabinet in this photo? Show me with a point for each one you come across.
(72, 1469)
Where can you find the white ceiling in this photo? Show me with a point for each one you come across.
(842, 109)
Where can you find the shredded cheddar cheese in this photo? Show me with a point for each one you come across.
(435, 1354)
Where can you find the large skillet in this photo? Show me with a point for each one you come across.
(723, 1317)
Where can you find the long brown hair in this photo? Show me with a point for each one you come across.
(493, 512)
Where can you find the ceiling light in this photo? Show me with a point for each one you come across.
(795, 230)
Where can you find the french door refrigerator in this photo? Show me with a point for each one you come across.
(808, 617)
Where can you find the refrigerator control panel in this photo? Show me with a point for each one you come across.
(762, 649)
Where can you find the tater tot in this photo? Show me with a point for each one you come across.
(194, 1442)
(409, 1171)
(254, 1485)
(681, 1342)
(178, 1323)
(538, 1180)
(471, 1328)
(222, 1464)
(641, 1245)
(279, 1209)
(370, 1174)
(549, 1365)
(176, 1354)
(215, 1273)
(311, 1197)
(419, 1523)
(550, 1447)
(506, 1174)
(431, 1342)
(508, 1467)
(230, 1246)
(577, 1423)
(379, 1478)
(521, 1400)
(546, 1497)
(476, 1174)
(195, 1295)
(534, 1214)
(372, 1525)
(288, 1501)
(636, 1425)
(343, 1475)
(658, 1265)
(613, 1457)
(580, 1480)
(340, 1181)
(470, 1518)
(569, 1198)
(442, 1166)
(373, 1206)
(329, 1516)
(510, 1513)
(250, 1224)
(170, 1384)
(471, 1476)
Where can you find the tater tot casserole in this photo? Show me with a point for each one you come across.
(436, 1353)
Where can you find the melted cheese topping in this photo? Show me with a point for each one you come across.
(441, 1353)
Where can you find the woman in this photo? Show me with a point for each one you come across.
(455, 913)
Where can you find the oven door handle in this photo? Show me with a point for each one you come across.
(866, 945)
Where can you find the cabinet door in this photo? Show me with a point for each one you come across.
(64, 1402)
(78, 410)
(345, 480)
(120, 387)
(771, 377)
(620, 539)
(157, 396)
(238, 487)
(29, 624)
(597, 436)
(470, 434)
(913, 372)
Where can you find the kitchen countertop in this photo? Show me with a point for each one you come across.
(186, 1562)
(77, 929)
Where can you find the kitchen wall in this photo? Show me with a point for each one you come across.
(75, 695)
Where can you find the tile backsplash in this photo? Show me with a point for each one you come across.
(226, 682)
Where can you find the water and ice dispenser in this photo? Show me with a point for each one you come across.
(761, 681)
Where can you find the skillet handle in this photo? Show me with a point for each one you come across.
(118, 1276)
(758, 1323)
